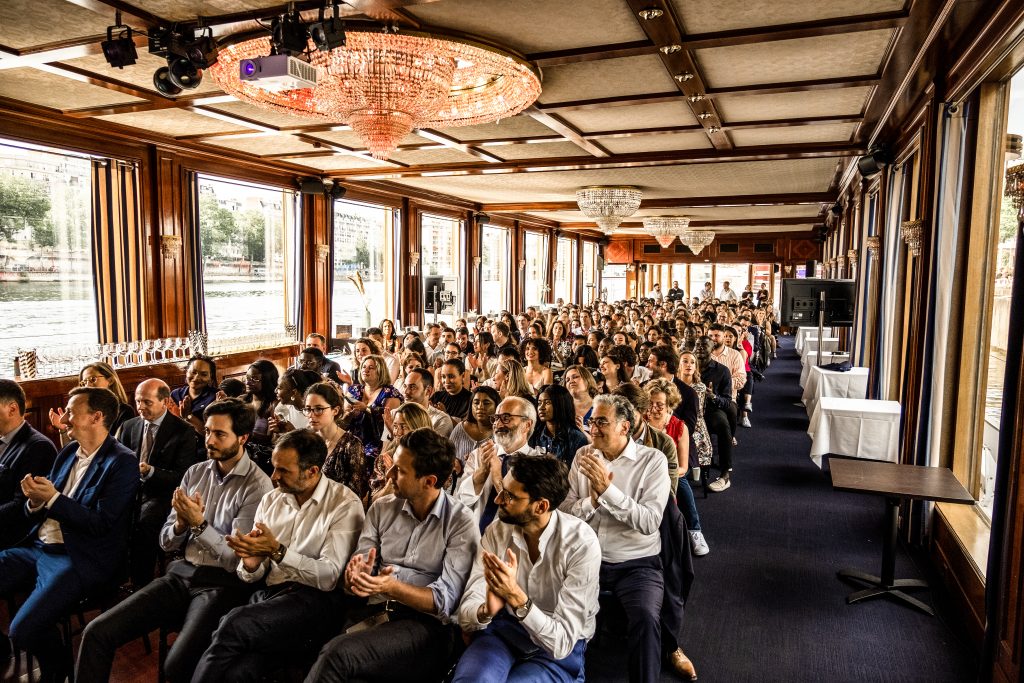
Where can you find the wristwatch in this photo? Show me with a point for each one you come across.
(523, 609)
(278, 554)
(199, 528)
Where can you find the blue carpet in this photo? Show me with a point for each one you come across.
(766, 604)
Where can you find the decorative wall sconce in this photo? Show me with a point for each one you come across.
(170, 246)
(910, 231)
(477, 261)
(522, 264)
(322, 252)
(630, 268)
(872, 243)
(840, 263)
(851, 256)
(414, 259)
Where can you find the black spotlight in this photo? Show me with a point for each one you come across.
(328, 34)
(837, 209)
(873, 161)
(119, 51)
(311, 186)
(337, 191)
(183, 73)
(203, 51)
(290, 35)
(162, 82)
(482, 217)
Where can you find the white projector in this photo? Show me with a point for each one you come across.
(278, 72)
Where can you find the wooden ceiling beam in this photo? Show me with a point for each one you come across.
(792, 199)
(567, 131)
(796, 31)
(635, 48)
(129, 12)
(13, 58)
(722, 223)
(452, 143)
(796, 86)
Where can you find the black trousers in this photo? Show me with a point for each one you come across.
(144, 546)
(639, 587)
(410, 646)
(259, 637)
(718, 423)
(189, 598)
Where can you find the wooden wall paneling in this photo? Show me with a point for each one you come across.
(518, 272)
(177, 275)
(474, 263)
(411, 295)
(317, 219)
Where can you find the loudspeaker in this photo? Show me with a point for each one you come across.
(873, 161)
(776, 268)
(311, 186)
(810, 267)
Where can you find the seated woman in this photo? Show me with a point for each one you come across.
(561, 341)
(199, 391)
(261, 393)
(410, 361)
(614, 373)
(346, 461)
(483, 362)
(560, 436)
(387, 329)
(407, 417)
(586, 357)
(582, 388)
(371, 404)
(98, 376)
(291, 390)
(470, 433)
(537, 363)
(510, 380)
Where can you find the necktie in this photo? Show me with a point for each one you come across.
(147, 442)
(491, 507)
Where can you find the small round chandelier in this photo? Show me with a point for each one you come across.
(665, 229)
(696, 240)
(386, 83)
(609, 205)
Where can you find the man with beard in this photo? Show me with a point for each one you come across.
(411, 564)
(620, 488)
(418, 388)
(533, 591)
(304, 531)
(486, 466)
(453, 397)
(215, 497)
(719, 408)
(730, 358)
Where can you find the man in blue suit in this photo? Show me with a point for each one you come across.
(23, 451)
(79, 519)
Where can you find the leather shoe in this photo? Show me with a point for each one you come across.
(682, 665)
(5, 649)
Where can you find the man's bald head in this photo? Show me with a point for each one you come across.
(151, 398)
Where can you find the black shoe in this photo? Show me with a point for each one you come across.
(5, 648)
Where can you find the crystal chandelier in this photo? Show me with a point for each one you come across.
(696, 240)
(665, 229)
(385, 84)
(609, 205)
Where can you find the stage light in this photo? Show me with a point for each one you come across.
(162, 82)
(328, 34)
(203, 51)
(119, 51)
(290, 35)
(183, 73)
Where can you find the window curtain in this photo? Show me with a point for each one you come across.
(863, 274)
(296, 263)
(119, 251)
(196, 315)
(888, 284)
(399, 278)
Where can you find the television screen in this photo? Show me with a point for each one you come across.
(801, 298)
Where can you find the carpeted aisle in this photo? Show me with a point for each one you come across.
(766, 604)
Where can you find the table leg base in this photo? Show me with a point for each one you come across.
(879, 589)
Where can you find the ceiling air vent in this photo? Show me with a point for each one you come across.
(652, 249)
(764, 248)
(682, 249)
(726, 248)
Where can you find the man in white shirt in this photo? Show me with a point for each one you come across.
(432, 341)
(304, 532)
(412, 562)
(730, 358)
(533, 591)
(727, 294)
(620, 489)
(486, 466)
(418, 388)
(655, 293)
(707, 293)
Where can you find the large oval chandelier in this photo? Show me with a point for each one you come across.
(696, 240)
(609, 205)
(385, 84)
(665, 229)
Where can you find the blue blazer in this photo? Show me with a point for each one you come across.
(29, 452)
(95, 520)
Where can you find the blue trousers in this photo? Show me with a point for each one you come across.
(55, 588)
(687, 504)
(504, 652)
(639, 586)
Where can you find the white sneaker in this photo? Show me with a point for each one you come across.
(699, 545)
(749, 408)
(745, 421)
(719, 485)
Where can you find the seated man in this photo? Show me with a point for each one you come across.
(534, 588)
(419, 388)
(314, 360)
(315, 340)
(80, 518)
(412, 563)
(23, 452)
(453, 397)
(166, 446)
(215, 496)
(620, 489)
(304, 531)
(486, 466)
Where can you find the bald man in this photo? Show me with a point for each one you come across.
(166, 446)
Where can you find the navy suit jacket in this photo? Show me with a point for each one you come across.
(29, 452)
(175, 449)
(94, 521)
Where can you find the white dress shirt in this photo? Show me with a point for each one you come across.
(49, 530)
(641, 374)
(466, 492)
(563, 582)
(629, 512)
(320, 535)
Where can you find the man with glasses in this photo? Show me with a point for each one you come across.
(486, 466)
(532, 596)
(620, 489)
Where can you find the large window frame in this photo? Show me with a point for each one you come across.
(535, 272)
(565, 269)
(435, 263)
(373, 225)
(495, 268)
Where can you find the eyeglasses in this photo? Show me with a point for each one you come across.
(89, 381)
(505, 498)
(600, 422)
(315, 410)
(506, 418)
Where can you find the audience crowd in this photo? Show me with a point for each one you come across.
(454, 504)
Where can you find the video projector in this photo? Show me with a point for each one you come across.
(277, 73)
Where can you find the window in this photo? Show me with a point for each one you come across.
(494, 283)
(614, 280)
(736, 274)
(589, 272)
(700, 274)
(361, 235)
(536, 284)
(441, 250)
(47, 296)
(762, 275)
(565, 269)
(246, 233)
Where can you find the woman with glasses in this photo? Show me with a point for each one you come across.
(346, 461)
(291, 389)
(560, 436)
(407, 417)
(476, 428)
(98, 376)
(371, 403)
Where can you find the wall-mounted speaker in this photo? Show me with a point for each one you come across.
(874, 161)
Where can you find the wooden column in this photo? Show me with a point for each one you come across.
(175, 274)
(553, 236)
(474, 261)
(517, 275)
(410, 295)
(317, 219)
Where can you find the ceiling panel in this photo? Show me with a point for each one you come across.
(270, 118)
(631, 117)
(337, 161)
(521, 126)
(724, 15)
(606, 78)
(350, 139)
(536, 25)
(182, 10)
(691, 180)
(172, 122)
(263, 145)
(808, 211)
(805, 59)
(50, 90)
(657, 143)
(791, 105)
(445, 155)
(537, 151)
(840, 132)
(24, 23)
(139, 74)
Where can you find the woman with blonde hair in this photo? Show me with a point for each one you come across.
(406, 418)
(98, 376)
(510, 380)
(583, 388)
(371, 403)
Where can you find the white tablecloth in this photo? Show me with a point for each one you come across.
(810, 360)
(828, 344)
(854, 427)
(821, 383)
(804, 332)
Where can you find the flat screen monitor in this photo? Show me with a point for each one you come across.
(801, 298)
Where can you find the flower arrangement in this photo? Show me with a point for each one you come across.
(356, 279)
